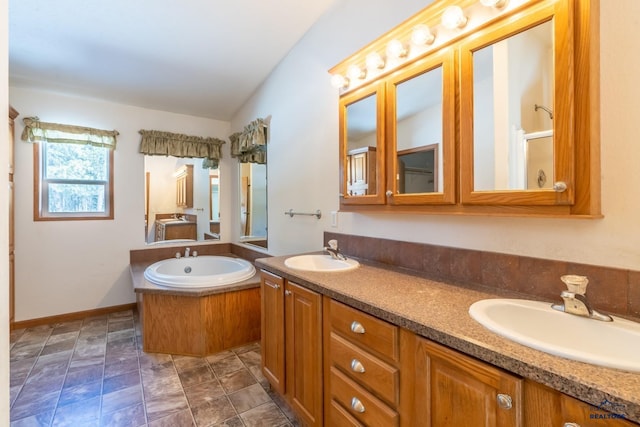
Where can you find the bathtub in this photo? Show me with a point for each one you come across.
(199, 272)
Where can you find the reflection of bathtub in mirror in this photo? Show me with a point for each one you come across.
(254, 240)
(170, 242)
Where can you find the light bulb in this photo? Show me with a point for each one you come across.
(396, 49)
(374, 61)
(422, 35)
(493, 3)
(339, 81)
(453, 17)
(355, 72)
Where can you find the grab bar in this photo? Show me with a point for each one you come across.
(291, 213)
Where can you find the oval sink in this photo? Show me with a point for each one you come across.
(322, 263)
(535, 324)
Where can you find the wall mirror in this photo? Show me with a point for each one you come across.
(516, 112)
(165, 220)
(253, 204)
(362, 162)
(421, 104)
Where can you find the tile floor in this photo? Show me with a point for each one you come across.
(93, 372)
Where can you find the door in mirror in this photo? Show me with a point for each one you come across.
(421, 105)
(514, 88)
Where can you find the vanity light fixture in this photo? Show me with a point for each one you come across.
(339, 81)
(354, 72)
(422, 35)
(494, 3)
(395, 49)
(453, 18)
(374, 61)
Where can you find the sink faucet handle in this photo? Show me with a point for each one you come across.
(576, 284)
(333, 244)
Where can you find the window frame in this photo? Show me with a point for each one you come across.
(40, 191)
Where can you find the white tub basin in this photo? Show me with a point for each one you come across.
(322, 263)
(535, 324)
(199, 272)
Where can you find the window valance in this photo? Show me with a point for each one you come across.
(250, 145)
(37, 131)
(157, 143)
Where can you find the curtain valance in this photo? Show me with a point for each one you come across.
(250, 145)
(37, 131)
(157, 143)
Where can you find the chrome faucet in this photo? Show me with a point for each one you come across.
(186, 252)
(334, 251)
(575, 300)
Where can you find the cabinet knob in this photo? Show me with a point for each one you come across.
(357, 405)
(389, 193)
(287, 292)
(356, 366)
(505, 401)
(357, 327)
(559, 186)
(570, 425)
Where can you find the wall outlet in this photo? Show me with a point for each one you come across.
(334, 218)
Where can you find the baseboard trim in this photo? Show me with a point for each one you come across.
(68, 317)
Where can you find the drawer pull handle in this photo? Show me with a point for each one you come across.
(357, 405)
(356, 366)
(357, 327)
(272, 285)
(504, 401)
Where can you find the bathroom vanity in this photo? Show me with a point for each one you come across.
(381, 346)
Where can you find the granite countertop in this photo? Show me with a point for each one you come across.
(439, 311)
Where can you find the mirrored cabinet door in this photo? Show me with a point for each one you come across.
(421, 132)
(516, 94)
(362, 146)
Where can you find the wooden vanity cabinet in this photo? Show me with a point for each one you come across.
(292, 345)
(545, 407)
(452, 389)
(362, 368)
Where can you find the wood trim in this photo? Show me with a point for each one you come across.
(68, 317)
(36, 193)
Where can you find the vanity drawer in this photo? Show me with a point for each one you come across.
(339, 417)
(365, 330)
(359, 403)
(366, 369)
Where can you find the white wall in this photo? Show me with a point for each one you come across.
(303, 165)
(69, 266)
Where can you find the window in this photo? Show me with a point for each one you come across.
(74, 181)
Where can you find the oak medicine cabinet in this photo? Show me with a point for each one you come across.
(497, 115)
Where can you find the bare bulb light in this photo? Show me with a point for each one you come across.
(354, 72)
(395, 49)
(339, 81)
(422, 35)
(453, 17)
(374, 61)
(494, 3)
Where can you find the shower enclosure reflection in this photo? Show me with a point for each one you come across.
(182, 200)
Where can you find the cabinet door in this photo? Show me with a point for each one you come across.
(303, 310)
(456, 390)
(272, 329)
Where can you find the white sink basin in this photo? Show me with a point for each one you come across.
(322, 263)
(535, 324)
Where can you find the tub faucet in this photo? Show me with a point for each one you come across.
(575, 300)
(186, 252)
(334, 251)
